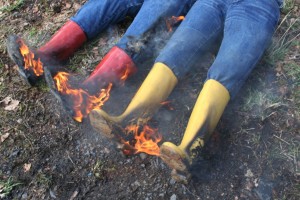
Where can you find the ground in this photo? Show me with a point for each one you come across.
(45, 154)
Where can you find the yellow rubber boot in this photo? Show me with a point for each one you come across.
(204, 118)
(155, 89)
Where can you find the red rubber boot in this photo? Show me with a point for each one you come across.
(64, 42)
(60, 47)
(115, 68)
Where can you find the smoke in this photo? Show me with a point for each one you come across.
(148, 45)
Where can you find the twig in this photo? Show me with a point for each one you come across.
(281, 139)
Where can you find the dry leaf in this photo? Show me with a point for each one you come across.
(68, 6)
(279, 67)
(6, 100)
(3, 137)
(77, 6)
(27, 167)
(10, 104)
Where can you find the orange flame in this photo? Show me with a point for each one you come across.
(146, 141)
(82, 101)
(167, 104)
(126, 74)
(30, 62)
(172, 21)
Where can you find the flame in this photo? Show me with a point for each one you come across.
(30, 62)
(167, 104)
(172, 21)
(126, 73)
(146, 141)
(82, 101)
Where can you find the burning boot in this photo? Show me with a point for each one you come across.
(155, 89)
(115, 68)
(204, 118)
(60, 47)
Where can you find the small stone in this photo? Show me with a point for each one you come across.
(249, 173)
(172, 181)
(161, 195)
(24, 196)
(143, 156)
(52, 194)
(173, 197)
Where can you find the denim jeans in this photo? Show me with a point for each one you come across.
(97, 15)
(246, 28)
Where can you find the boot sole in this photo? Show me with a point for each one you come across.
(177, 163)
(173, 159)
(63, 101)
(110, 131)
(101, 125)
(181, 177)
(13, 49)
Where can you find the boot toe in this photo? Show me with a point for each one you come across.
(174, 157)
(100, 124)
(181, 177)
(13, 49)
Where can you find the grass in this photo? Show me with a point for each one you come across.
(33, 32)
(15, 6)
(293, 70)
(257, 103)
(7, 186)
(43, 179)
(102, 167)
(43, 86)
(288, 5)
(281, 46)
(284, 48)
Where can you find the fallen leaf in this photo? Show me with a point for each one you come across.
(10, 104)
(52, 194)
(76, 6)
(68, 6)
(74, 195)
(279, 68)
(4, 137)
(6, 100)
(27, 167)
(249, 173)
(283, 90)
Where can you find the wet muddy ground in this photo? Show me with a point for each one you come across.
(44, 154)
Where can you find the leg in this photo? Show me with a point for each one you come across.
(96, 16)
(91, 19)
(150, 14)
(245, 39)
(119, 62)
(163, 76)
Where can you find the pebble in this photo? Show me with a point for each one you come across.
(24, 196)
(173, 197)
(172, 181)
(143, 156)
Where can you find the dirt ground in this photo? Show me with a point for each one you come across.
(44, 154)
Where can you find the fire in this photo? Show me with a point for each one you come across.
(145, 141)
(172, 21)
(82, 101)
(126, 74)
(30, 62)
(167, 104)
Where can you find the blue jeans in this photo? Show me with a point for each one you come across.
(246, 28)
(97, 15)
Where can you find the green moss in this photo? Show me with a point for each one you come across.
(9, 8)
